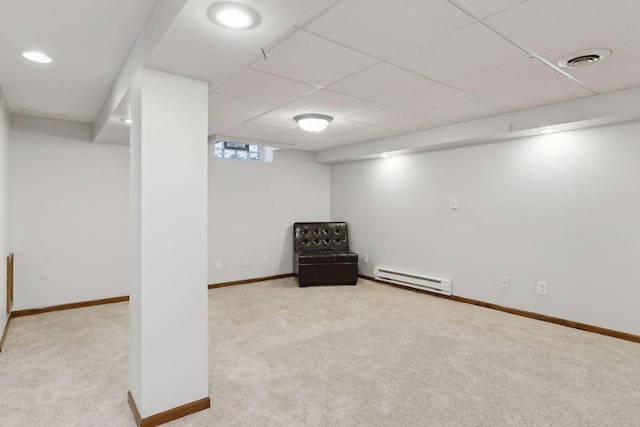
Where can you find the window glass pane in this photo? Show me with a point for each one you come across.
(236, 146)
(237, 150)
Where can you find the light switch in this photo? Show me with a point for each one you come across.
(453, 203)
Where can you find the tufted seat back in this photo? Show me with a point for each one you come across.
(320, 236)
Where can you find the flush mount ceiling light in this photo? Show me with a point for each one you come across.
(126, 120)
(235, 16)
(34, 56)
(313, 122)
(584, 58)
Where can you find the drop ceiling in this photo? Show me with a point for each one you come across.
(380, 68)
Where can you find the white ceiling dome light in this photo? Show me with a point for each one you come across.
(313, 122)
(34, 56)
(235, 16)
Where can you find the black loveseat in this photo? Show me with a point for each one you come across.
(321, 254)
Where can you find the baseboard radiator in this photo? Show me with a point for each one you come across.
(432, 284)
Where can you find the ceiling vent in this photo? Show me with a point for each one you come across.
(584, 58)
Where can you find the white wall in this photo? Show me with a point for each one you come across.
(252, 208)
(5, 206)
(70, 210)
(71, 213)
(562, 208)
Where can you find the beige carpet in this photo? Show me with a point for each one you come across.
(369, 355)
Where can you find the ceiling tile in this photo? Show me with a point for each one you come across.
(386, 28)
(486, 8)
(323, 144)
(615, 79)
(548, 93)
(341, 126)
(311, 59)
(542, 25)
(434, 98)
(255, 130)
(378, 115)
(336, 127)
(293, 137)
(508, 78)
(329, 102)
(381, 83)
(219, 123)
(466, 51)
(280, 117)
(623, 45)
(231, 106)
(473, 111)
(262, 87)
(368, 134)
(417, 123)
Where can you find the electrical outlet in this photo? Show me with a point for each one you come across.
(246, 261)
(265, 259)
(218, 264)
(504, 281)
(542, 288)
(365, 259)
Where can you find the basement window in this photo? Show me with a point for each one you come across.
(237, 150)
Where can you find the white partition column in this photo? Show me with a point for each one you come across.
(168, 366)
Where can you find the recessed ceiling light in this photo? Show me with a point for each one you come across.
(384, 155)
(126, 120)
(235, 16)
(584, 58)
(313, 122)
(35, 56)
(548, 130)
